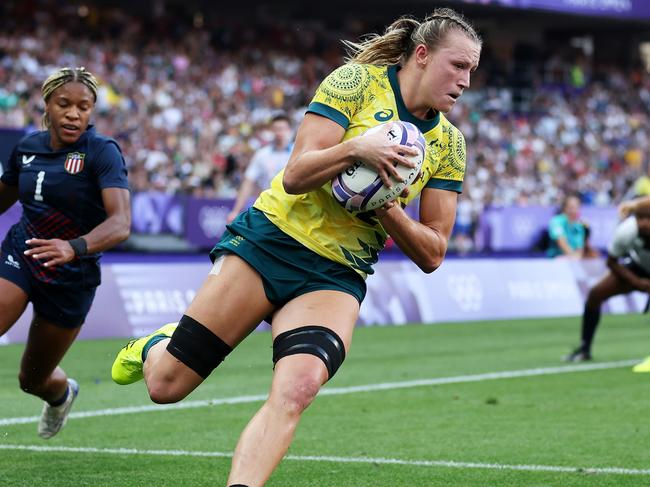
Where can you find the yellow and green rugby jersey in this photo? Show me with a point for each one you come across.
(358, 97)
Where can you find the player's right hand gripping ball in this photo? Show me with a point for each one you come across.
(359, 188)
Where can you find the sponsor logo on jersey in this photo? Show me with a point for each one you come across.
(74, 162)
(12, 262)
(27, 160)
(384, 115)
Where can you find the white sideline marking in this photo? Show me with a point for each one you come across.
(336, 391)
(310, 458)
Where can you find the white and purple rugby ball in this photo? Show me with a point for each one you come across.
(359, 188)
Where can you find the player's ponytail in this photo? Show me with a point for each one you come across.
(388, 48)
(399, 40)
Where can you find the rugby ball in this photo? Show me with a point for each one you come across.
(359, 188)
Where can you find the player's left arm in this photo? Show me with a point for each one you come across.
(425, 242)
(117, 226)
(110, 171)
(115, 229)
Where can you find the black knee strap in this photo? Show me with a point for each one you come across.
(314, 340)
(197, 347)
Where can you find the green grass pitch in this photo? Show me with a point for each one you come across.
(458, 427)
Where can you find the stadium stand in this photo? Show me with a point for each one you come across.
(188, 96)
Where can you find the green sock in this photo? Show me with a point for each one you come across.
(150, 343)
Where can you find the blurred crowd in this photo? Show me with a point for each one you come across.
(588, 140)
(190, 104)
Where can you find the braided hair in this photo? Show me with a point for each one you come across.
(62, 76)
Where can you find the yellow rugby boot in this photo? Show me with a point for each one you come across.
(127, 367)
(643, 366)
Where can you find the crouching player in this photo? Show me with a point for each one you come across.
(628, 262)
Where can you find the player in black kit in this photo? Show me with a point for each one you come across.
(72, 184)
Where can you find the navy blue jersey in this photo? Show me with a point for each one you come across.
(60, 192)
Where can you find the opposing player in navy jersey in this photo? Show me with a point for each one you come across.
(72, 184)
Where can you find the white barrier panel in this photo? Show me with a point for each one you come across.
(135, 299)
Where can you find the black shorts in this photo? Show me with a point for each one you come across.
(64, 305)
(636, 268)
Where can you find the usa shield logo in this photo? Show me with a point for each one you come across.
(74, 163)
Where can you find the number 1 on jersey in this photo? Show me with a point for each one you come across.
(39, 186)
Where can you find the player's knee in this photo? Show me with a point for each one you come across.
(198, 349)
(594, 298)
(25, 382)
(297, 391)
(165, 389)
(29, 383)
(297, 394)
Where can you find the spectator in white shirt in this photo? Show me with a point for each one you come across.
(265, 164)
